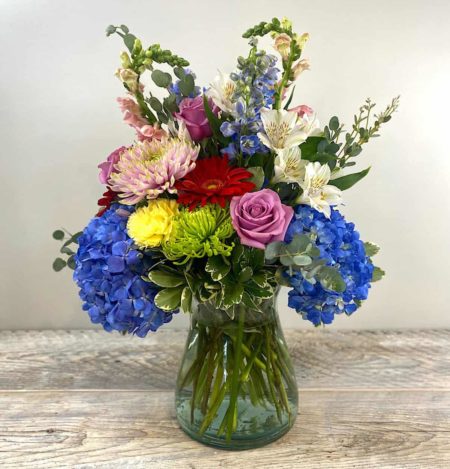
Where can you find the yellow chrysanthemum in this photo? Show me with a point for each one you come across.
(151, 225)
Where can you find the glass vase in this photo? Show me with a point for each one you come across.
(236, 386)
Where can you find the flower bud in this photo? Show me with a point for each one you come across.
(129, 78)
(286, 23)
(125, 59)
(302, 40)
(137, 47)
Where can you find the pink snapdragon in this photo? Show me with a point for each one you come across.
(133, 117)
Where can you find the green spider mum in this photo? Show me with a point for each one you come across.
(199, 233)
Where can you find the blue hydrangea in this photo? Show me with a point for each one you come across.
(255, 82)
(108, 272)
(341, 247)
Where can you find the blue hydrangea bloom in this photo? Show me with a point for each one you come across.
(341, 247)
(108, 272)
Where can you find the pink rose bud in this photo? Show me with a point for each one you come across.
(107, 167)
(192, 113)
(260, 218)
(302, 110)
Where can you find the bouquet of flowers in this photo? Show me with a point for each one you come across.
(227, 193)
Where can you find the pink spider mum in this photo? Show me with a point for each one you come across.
(149, 168)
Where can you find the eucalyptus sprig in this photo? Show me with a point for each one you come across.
(66, 250)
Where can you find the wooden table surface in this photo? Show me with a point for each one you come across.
(88, 399)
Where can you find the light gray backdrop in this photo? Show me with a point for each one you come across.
(59, 119)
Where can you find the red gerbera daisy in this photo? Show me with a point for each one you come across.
(106, 201)
(213, 181)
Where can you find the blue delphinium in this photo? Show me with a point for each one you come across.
(108, 272)
(341, 247)
(255, 82)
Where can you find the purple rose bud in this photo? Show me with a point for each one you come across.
(260, 218)
(192, 113)
(107, 167)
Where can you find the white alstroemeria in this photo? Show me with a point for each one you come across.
(282, 129)
(221, 92)
(289, 166)
(310, 125)
(316, 191)
(181, 132)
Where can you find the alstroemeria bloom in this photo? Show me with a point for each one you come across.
(221, 92)
(317, 193)
(282, 129)
(289, 166)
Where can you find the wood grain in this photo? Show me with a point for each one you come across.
(86, 399)
(337, 429)
(322, 359)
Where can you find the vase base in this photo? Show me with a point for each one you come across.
(237, 442)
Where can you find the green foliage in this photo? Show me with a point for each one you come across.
(169, 299)
(378, 274)
(186, 85)
(303, 256)
(166, 278)
(258, 177)
(345, 182)
(218, 267)
(264, 28)
(371, 249)
(66, 249)
(161, 79)
(288, 192)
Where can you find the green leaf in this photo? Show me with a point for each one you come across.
(299, 244)
(334, 123)
(71, 263)
(58, 234)
(59, 264)
(166, 279)
(371, 249)
(111, 29)
(169, 298)
(232, 293)
(245, 275)
(66, 250)
(236, 255)
(288, 102)
(186, 85)
(155, 103)
(287, 191)
(218, 267)
(170, 104)
(179, 72)
(309, 147)
(273, 250)
(377, 274)
(331, 279)
(302, 260)
(250, 302)
(254, 290)
(281, 279)
(258, 176)
(161, 79)
(345, 182)
(129, 39)
(260, 278)
(186, 300)
(124, 28)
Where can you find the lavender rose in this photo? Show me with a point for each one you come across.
(260, 218)
(107, 167)
(192, 113)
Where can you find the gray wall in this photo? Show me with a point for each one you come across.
(59, 119)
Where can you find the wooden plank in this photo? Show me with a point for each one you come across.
(137, 429)
(323, 359)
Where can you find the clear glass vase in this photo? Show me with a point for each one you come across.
(236, 387)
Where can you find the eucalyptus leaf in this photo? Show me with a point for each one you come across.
(59, 264)
(161, 79)
(186, 85)
(331, 279)
(302, 260)
(58, 234)
(129, 39)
